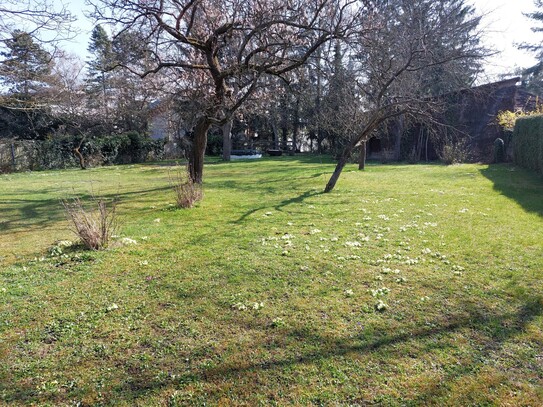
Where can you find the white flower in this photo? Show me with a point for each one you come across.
(157, 220)
(287, 236)
(463, 210)
(348, 293)
(314, 231)
(128, 241)
(334, 239)
(426, 251)
(381, 306)
(65, 243)
(380, 292)
(239, 306)
(353, 244)
(143, 263)
(112, 307)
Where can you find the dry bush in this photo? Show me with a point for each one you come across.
(455, 152)
(95, 226)
(187, 192)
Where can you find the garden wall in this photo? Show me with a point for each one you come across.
(528, 143)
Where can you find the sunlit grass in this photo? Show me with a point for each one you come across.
(407, 285)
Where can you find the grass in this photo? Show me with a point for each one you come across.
(266, 292)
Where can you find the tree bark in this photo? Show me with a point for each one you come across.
(196, 158)
(227, 140)
(295, 128)
(398, 132)
(362, 158)
(337, 172)
(77, 153)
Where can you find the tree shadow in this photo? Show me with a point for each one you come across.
(491, 329)
(42, 213)
(279, 206)
(522, 186)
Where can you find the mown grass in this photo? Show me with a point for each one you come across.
(266, 292)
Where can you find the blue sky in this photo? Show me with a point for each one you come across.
(503, 21)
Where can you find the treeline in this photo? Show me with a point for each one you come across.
(326, 75)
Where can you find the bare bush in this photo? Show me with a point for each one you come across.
(94, 226)
(187, 192)
(455, 152)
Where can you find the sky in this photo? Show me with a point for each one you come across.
(505, 27)
(503, 22)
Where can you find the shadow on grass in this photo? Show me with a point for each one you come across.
(41, 213)
(279, 207)
(524, 187)
(306, 345)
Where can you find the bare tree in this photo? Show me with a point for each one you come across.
(398, 66)
(226, 47)
(45, 20)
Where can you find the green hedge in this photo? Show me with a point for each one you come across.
(57, 152)
(528, 143)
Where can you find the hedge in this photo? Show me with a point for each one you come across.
(528, 143)
(58, 151)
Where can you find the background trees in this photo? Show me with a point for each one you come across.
(228, 47)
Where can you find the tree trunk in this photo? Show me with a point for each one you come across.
(77, 153)
(13, 158)
(80, 157)
(275, 135)
(196, 158)
(362, 158)
(295, 128)
(227, 140)
(337, 171)
(398, 132)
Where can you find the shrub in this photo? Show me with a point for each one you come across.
(455, 152)
(528, 143)
(95, 226)
(499, 151)
(187, 192)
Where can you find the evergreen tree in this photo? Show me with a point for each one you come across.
(533, 76)
(26, 65)
(99, 71)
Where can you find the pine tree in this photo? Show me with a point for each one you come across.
(99, 70)
(533, 76)
(26, 65)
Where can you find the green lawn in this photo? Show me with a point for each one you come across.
(407, 285)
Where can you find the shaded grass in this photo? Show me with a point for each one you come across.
(162, 322)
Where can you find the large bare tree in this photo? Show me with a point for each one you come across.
(226, 47)
(416, 50)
